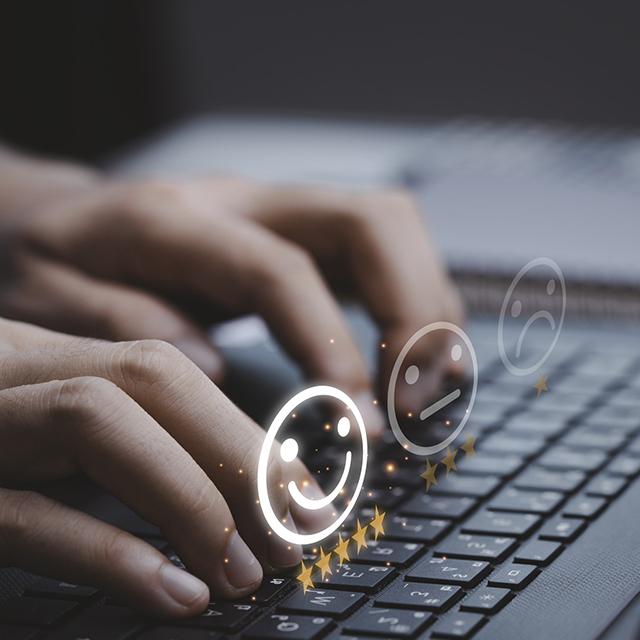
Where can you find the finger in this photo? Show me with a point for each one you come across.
(45, 537)
(89, 422)
(62, 298)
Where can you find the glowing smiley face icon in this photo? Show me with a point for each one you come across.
(460, 343)
(289, 450)
(549, 272)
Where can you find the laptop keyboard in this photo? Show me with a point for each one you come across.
(452, 557)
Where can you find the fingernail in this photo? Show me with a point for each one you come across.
(203, 355)
(181, 586)
(240, 565)
(283, 554)
(372, 415)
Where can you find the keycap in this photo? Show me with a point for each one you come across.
(100, 623)
(34, 611)
(420, 595)
(563, 458)
(518, 500)
(606, 486)
(486, 464)
(178, 633)
(634, 447)
(590, 438)
(486, 600)
(269, 590)
(473, 547)
(11, 632)
(618, 418)
(460, 485)
(538, 552)
(430, 506)
(502, 524)
(624, 465)
(388, 551)
(388, 622)
(46, 587)
(543, 424)
(583, 507)
(276, 626)
(458, 625)
(541, 479)
(423, 530)
(384, 499)
(466, 573)
(358, 577)
(513, 576)
(562, 529)
(333, 603)
(222, 616)
(511, 445)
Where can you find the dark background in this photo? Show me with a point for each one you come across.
(85, 77)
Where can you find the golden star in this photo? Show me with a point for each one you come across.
(541, 386)
(468, 445)
(449, 461)
(305, 577)
(323, 563)
(342, 550)
(429, 474)
(359, 536)
(376, 523)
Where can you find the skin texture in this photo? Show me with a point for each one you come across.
(149, 264)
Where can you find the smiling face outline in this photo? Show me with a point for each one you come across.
(514, 308)
(274, 522)
(411, 378)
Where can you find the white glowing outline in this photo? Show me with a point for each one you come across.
(263, 491)
(314, 505)
(512, 368)
(409, 445)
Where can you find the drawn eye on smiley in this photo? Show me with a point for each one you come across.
(289, 450)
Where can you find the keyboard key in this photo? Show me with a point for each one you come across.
(10, 632)
(466, 573)
(384, 499)
(222, 616)
(590, 438)
(562, 530)
(388, 622)
(486, 600)
(269, 590)
(542, 424)
(538, 552)
(563, 458)
(464, 545)
(459, 485)
(504, 524)
(583, 507)
(322, 601)
(513, 576)
(416, 529)
(280, 626)
(429, 506)
(485, 464)
(359, 577)
(388, 551)
(606, 486)
(48, 588)
(511, 445)
(420, 595)
(624, 465)
(634, 447)
(100, 623)
(541, 479)
(178, 633)
(34, 611)
(517, 500)
(459, 625)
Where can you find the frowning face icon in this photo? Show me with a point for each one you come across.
(350, 420)
(548, 318)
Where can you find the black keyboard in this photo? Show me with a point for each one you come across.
(452, 558)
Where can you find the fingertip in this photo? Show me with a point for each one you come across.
(372, 415)
(185, 595)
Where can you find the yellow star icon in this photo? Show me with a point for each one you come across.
(342, 550)
(429, 474)
(323, 563)
(468, 446)
(449, 461)
(541, 386)
(359, 536)
(305, 577)
(376, 523)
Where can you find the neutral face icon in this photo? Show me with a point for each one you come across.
(555, 295)
(289, 449)
(459, 345)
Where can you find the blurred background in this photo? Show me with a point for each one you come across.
(517, 124)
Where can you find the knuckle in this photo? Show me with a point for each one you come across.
(203, 499)
(145, 200)
(113, 549)
(16, 508)
(150, 361)
(291, 262)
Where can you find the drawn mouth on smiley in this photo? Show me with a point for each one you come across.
(440, 404)
(539, 315)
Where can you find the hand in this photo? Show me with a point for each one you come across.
(145, 423)
(128, 260)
